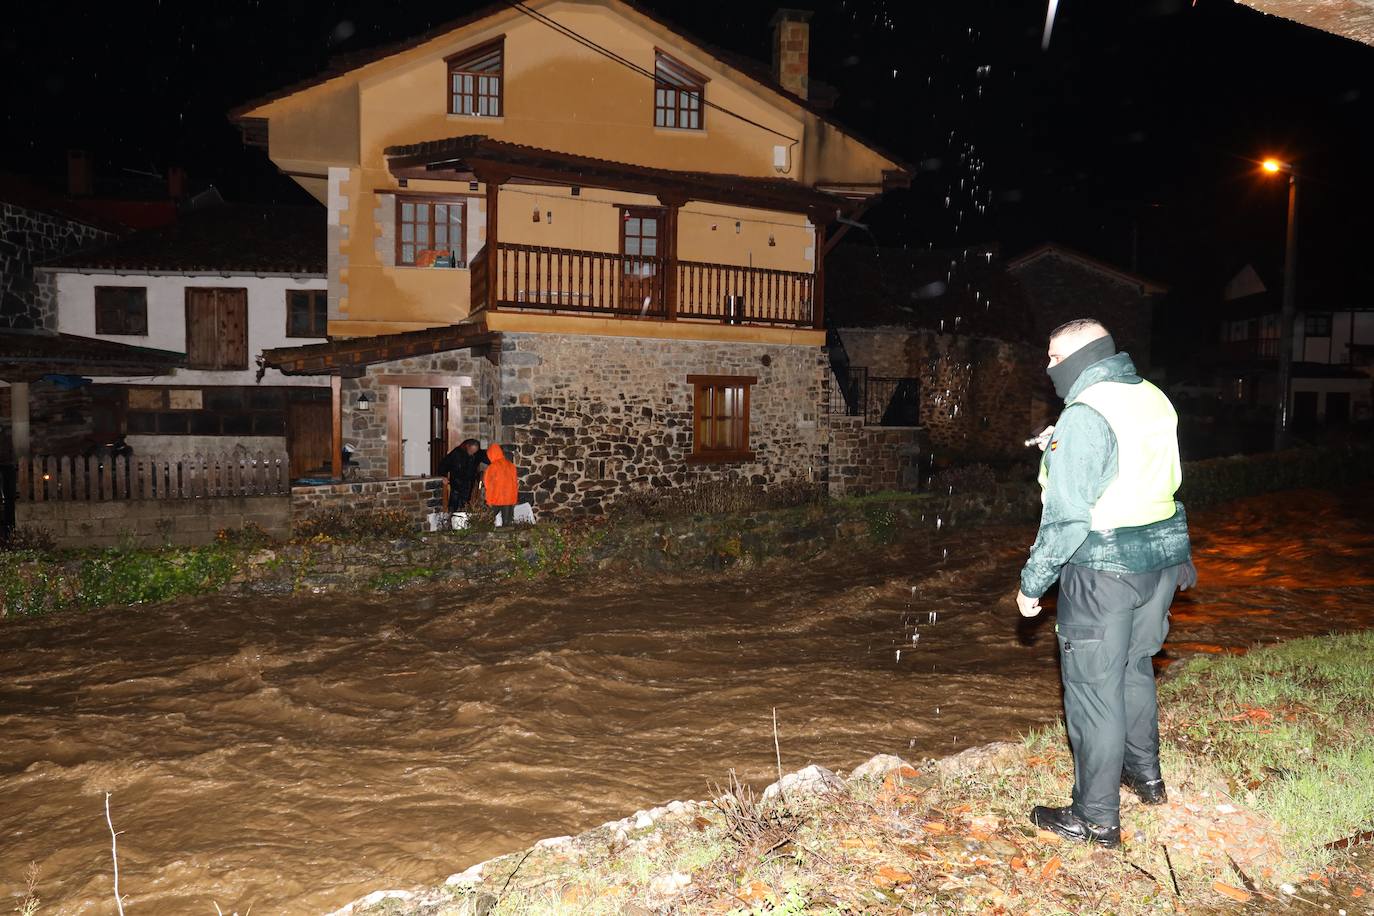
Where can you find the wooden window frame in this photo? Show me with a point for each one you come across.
(455, 64)
(460, 259)
(320, 296)
(669, 96)
(701, 384)
(124, 327)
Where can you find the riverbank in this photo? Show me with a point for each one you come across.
(377, 552)
(1270, 763)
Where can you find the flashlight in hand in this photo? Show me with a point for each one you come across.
(1041, 439)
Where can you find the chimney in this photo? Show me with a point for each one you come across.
(176, 182)
(79, 180)
(792, 50)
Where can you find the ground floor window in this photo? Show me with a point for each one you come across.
(720, 410)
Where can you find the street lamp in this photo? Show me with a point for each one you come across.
(1289, 310)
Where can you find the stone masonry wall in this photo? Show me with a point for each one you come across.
(587, 419)
(1063, 290)
(870, 459)
(27, 237)
(415, 496)
(153, 522)
(976, 393)
(366, 430)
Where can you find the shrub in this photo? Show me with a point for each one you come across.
(29, 537)
(368, 524)
(724, 497)
(251, 535)
(963, 479)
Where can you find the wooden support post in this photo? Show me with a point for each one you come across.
(19, 418)
(670, 254)
(493, 181)
(818, 281)
(336, 424)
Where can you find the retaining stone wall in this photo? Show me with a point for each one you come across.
(416, 496)
(587, 419)
(28, 236)
(870, 459)
(154, 522)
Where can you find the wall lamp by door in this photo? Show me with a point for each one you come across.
(364, 402)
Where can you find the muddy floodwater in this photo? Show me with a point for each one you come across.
(292, 754)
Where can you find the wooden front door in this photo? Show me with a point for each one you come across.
(309, 438)
(438, 429)
(216, 328)
(641, 292)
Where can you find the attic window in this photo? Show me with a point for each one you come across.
(678, 91)
(475, 80)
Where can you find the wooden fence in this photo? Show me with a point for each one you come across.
(44, 478)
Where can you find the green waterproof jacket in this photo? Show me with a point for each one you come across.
(1083, 464)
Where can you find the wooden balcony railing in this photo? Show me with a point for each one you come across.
(567, 280)
(46, 478)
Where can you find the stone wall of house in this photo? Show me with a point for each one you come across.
(27, 237)
(588, 419)
(1062, 290)
(872, 459)
(153, 522)
(415, 496)
(977, 393)
(366, 430)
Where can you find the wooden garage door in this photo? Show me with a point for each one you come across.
(216, 328)
(310, 436)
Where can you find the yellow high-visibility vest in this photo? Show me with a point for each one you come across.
(1148, 470)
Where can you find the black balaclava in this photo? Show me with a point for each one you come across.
(1068, 371)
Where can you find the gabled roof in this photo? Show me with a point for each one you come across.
(349, 356)
(27, 355)
(962, 291)
(745, 66)
(225, 238)
(1063, 252)
(459, 157)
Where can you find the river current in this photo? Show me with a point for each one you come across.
(291, 754)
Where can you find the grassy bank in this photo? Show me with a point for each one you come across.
(1269, 756)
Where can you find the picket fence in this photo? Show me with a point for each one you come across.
(45, 478)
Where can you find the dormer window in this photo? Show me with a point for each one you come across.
(475, 79)
(678, 92)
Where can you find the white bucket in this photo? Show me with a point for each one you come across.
(524, 514)
(459, 521)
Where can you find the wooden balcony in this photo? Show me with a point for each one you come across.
(510, 277)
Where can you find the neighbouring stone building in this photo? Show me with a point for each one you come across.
(958, 328)
(1062, 284)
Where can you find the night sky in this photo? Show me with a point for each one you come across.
(1128, 138)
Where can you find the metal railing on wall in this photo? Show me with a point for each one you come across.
(45, 478)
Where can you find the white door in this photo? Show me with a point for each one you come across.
(415, 432)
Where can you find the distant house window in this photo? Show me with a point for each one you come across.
(475, 78)
(678, 92)
(1317, 326)
(216, 328)
(307, 313)
(429, 231)
(720, 417)
(121, 310)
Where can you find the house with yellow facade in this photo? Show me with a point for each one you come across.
(568, 227)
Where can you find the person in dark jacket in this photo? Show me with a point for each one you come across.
(1115, 538)
(463, 466)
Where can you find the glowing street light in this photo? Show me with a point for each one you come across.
(1289, 311)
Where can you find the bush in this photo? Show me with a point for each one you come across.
(1215, 480)
(371, 524)
(726, 497)
(29, 537)
(251, 535)
(963, 479)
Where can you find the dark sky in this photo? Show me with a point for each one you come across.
(1128, 138)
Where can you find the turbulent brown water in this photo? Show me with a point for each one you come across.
(293, 754)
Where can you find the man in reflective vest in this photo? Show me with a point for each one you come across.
(1116, 540)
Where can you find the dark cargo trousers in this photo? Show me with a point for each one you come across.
(1109, 626)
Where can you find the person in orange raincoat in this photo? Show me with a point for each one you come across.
(499, 481)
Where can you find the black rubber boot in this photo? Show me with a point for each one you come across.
(1072, 827)
(1149, 791)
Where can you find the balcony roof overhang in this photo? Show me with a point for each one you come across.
(29, 355)
(477, 157)
(350, 356)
